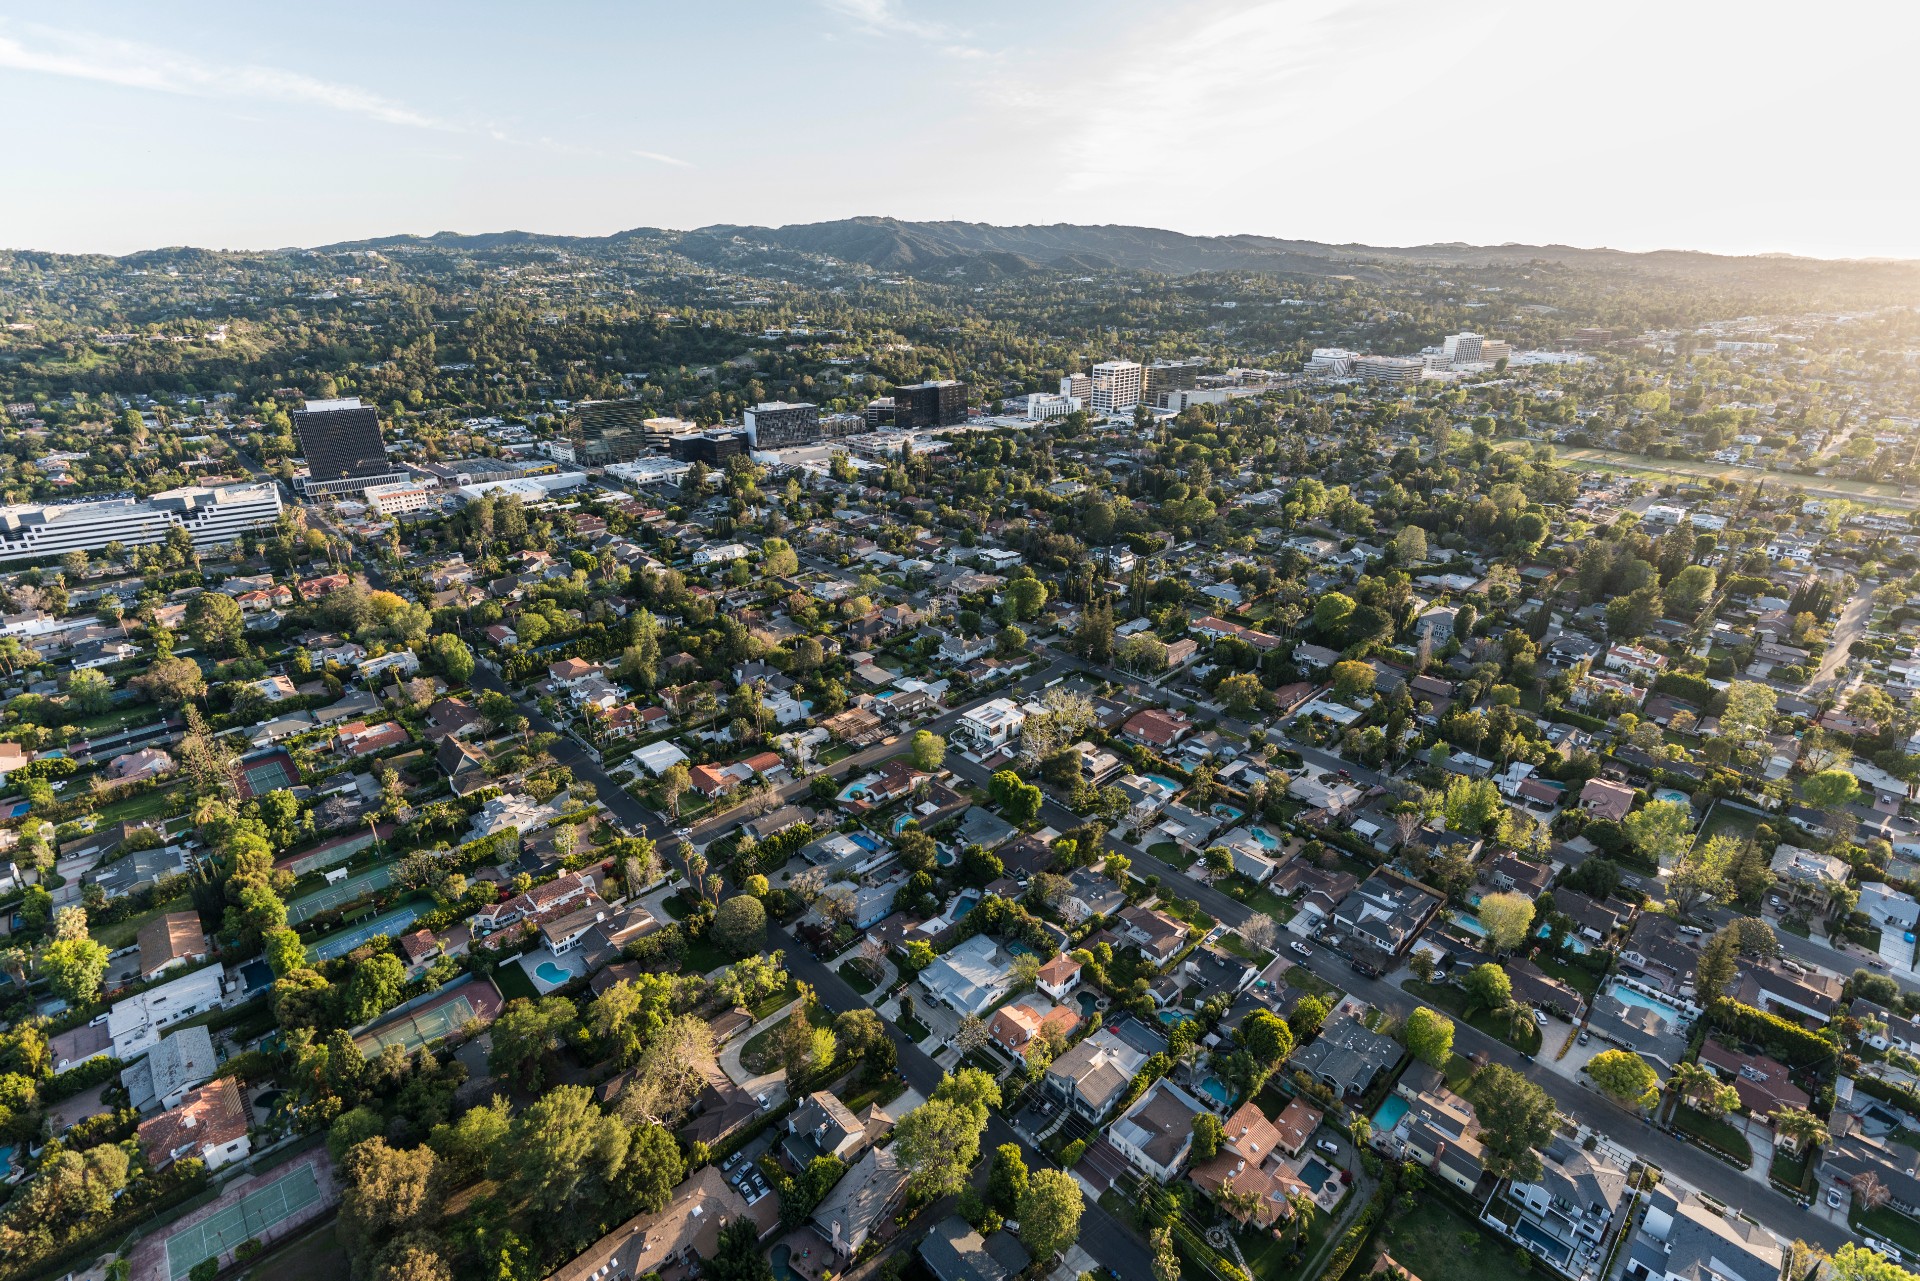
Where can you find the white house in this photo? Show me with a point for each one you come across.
(135, 1023)
(991, 725)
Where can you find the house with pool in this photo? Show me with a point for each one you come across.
(1424, 1121)
(1567, 1216)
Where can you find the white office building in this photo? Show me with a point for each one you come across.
(392, 500)
(210, 517)
(1462, 348)
(532, 489)
(650, 471)
(1044, 405)
(1116, 386)
(1389, 369)
(1331, 362)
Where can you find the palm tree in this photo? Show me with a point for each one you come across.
(1690, 1081)
(1800, 1128)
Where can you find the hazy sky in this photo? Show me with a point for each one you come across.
(1739, 127)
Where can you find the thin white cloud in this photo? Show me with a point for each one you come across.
(661, 158)
(887, 18)
(884, 17)
(79, 55)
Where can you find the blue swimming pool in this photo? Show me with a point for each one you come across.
(1170, 784)
(1170, 1017)
(551, 973)
(1388, 1114)
(1572, 943)
(854, 792)
(864, 841)
(1542, 1243)
(1628, 996)
(1227, 812)
(1088, 1003)
(964, 906)
(1470, 923)
(1265, 839)
(945, 858)
(1315, 1173)
(1673, 794)
(1216, 1089)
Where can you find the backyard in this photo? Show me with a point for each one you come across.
(1435, 1242)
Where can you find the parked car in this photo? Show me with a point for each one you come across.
(1540, 1017)
(1329, 1147)
(1585, 1036)
(1833, 1197)
(1300, 949)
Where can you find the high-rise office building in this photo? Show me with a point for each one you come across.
(1116, 386)
(773, 424)
(340, 440)
(607, 431)
(1462, 348)
(1172, 375)
(931, 404)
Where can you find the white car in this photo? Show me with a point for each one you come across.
(1540, 1017)
(1833, 1197)
(1329, 1147)
(1301, 949)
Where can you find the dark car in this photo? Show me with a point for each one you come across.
(1367, 968)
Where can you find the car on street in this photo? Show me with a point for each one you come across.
(1300, 949)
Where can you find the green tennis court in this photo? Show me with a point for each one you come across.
(341, 942)
(268, 776)
(253, 1215)
(329, 897)
(416, 1030)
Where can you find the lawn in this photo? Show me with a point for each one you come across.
(916, 1030)
(1578, 977)
(513, 982)
(704, 956)
(1268, 1257)
(158, 804)
(1167, 851)
(315, 1256)
(1715, 1132)
(775, 1000)
(855, 974)
(1888, 1224)
(1302, 977)
(1729, 821)
(124, 933)
(758, 1054)
(1790, 1171)
(1445, 996)
(1436, 1243)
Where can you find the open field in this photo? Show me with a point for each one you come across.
(1869, 493)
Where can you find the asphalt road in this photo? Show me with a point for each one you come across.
(1851, 627)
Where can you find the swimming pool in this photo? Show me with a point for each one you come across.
(1573, 943)
(783, 1270)
(855, 791)
(1470, 923)
(1673, 794)
(1170, 1017)
(1315, 1173)
(964, 906)
(1388, 1114)
(1542, 1243)
(1265, 839)
(1216, 1089)
(1088, 1003)
(1628, 996)
(945, 858)
(864, 841)
(1163, 781)
(1227, 812)
(551, 973)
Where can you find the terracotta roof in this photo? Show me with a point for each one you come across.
(208, 1117)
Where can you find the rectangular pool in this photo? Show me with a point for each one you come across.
(1628, 996)
(1544, 1245)
(1391, 1109)
(1315, 1173)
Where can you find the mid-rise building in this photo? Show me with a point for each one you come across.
(942, 403)
(710, 447)
(1044, 405)
(340, 440)
(396, 498)
(1116, 386)
(1389, 369)
(774, 424)
(1077, 386)
(1331, 362)
(211, 517)
(879, 412)
(1462, 348)
(1164, 376)
(607, 431)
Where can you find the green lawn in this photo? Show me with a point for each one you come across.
(856, 977)
(1888, 1224)
(916, 1030)
(123, 933)
(1729, 821)
(703, 957)
(756, 1055)
(1578, 977)
(1168, 852)
(513, 982)
(774, 1001)
(159, 804)
(1436, 1243)
(1501, 1027)
(1268, 1257)
(1718, 1133)
(1302, 977)
(1790, 1170)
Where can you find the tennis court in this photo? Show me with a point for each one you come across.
(329, 897)
(412, 1031)
(268, 776)
(343, 941)
(253, 1215)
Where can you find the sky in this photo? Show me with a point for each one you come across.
(1754, 127)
